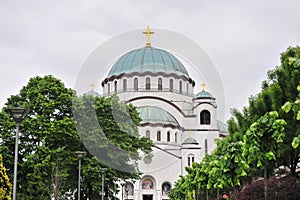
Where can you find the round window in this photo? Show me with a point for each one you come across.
(147, 159)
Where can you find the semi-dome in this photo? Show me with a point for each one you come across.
(155, 115)
(148, 59)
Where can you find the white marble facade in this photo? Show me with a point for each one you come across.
(182, 124)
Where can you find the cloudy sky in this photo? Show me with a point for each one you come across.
(243, 39)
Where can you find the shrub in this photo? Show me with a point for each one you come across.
(278, 188)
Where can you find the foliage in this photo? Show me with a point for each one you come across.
(47, 134)
(262, 139)
(228, 165)
(179, 191)
(295, 106)
(115, 142)
(260, 136)
(279, 188)
(112, 133)
(5, 185)
(279, 88)
(223, 169)
(47, 165)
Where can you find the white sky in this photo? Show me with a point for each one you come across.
(242, 38)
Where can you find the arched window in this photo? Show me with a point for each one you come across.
(158, 136)
(168, 136)
(135, 84)
(148, 83)
(129, 188)
(187, 88)
(124, 85)
(191, 159)
(165, 188)
(116, 84)
(148, 134)
(159, 84)
(171, 85)
(205, 117)
(147, 184)
(108, 88)
(176, 137)
(180, 87)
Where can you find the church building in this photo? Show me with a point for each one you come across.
(181, 122)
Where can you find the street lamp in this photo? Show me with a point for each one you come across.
(18, 114)
(126, 190)
(103, 170)
(80, 155)
(122, 184)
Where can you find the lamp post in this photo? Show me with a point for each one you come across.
(80, 155)
(103, 170)
(122, 184)
(18, 114)
(126, 190)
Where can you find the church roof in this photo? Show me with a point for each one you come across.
(154, 115)
(190, 141)
(148, 59)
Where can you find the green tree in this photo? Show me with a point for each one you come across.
(228, 166)
(48, 134)
(49, 139)
(195, 182)
(5, 185)
(295, 106)
(261, 141)
(109, 130)
(179, 191)
(279, 88)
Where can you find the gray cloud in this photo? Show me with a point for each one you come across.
(243, 38)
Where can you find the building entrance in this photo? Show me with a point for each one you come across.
(147, 197)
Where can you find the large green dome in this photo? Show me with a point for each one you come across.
(155, 115)
(148, 59)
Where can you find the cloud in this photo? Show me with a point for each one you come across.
(243, 38)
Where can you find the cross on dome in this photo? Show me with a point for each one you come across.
(191, 134)
(203, 86)
(92, 86)
(148, 34)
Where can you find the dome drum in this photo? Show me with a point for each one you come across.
(148, 73)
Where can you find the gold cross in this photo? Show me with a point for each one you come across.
(203, 86)
(92, 86)
(148, 34)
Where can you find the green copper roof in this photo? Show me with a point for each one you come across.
(148, 59)
(190, 141)
(151, 114)
(204, 95)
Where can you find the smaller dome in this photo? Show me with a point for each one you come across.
(155, 115)
(92, 93)
(190, 141)
(204, 95)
